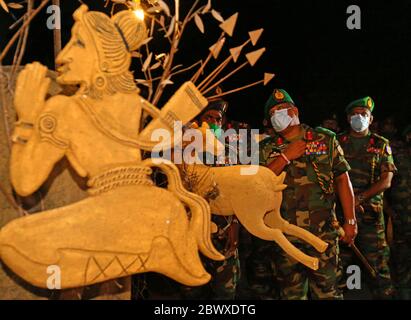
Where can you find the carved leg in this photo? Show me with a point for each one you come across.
(308, 237)
(261, 230)
(274, 220)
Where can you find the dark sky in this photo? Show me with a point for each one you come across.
(321, 63)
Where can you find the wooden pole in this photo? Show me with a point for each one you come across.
(57, 34)
(22, 28)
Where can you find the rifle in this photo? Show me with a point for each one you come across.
(356, 251)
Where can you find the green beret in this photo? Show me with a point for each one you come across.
(366, 102)
(278, 96)
(407, 130)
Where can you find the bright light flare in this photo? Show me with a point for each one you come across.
(139, 13)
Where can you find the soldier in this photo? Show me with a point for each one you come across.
(389, 131)
(401, 205)
(330, 121)
(225, 274)
(315, 165)
(370, 158)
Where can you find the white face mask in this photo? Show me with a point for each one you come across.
(359, 123)
(281, 120)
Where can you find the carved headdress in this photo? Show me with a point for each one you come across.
(113, 38)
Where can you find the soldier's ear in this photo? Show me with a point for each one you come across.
(265, 122)
(371, 119)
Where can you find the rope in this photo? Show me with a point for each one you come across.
(322, 182)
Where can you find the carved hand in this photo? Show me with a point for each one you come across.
(31, 89)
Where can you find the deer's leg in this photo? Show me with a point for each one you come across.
(305, 235)
(259, 229)
(274, 220)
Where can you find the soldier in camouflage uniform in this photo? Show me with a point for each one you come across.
(389, 131)
(314, 163)
(400, 198)
(370, 158)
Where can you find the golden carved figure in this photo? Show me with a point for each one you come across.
(127, 225)
(255, 200)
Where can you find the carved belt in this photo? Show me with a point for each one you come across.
(118, 177)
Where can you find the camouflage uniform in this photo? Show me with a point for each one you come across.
(261, 270)
(400, 197)
(369, 157)
(309, 202)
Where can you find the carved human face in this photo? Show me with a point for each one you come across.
(77, 59)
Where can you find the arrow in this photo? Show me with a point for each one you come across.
(215, 49)
(267, 78)
(253, 57)
(229, 24)
(214, 73)
(217, 46)
(255, 35)
(235, 52)
(226, 77)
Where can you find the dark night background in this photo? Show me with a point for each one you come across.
(321, 63)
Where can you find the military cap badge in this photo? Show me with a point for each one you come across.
(278, 95)
(369, 103)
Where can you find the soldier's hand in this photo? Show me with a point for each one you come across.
(295, 150)
(359, 209)
(350, 232)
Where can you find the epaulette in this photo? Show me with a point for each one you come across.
(325, 131)
(266, 141)
(385, 140)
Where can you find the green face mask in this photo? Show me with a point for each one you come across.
(216, 130)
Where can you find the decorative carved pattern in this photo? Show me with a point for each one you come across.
(118, 177)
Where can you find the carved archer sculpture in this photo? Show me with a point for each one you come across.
(127, 225)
